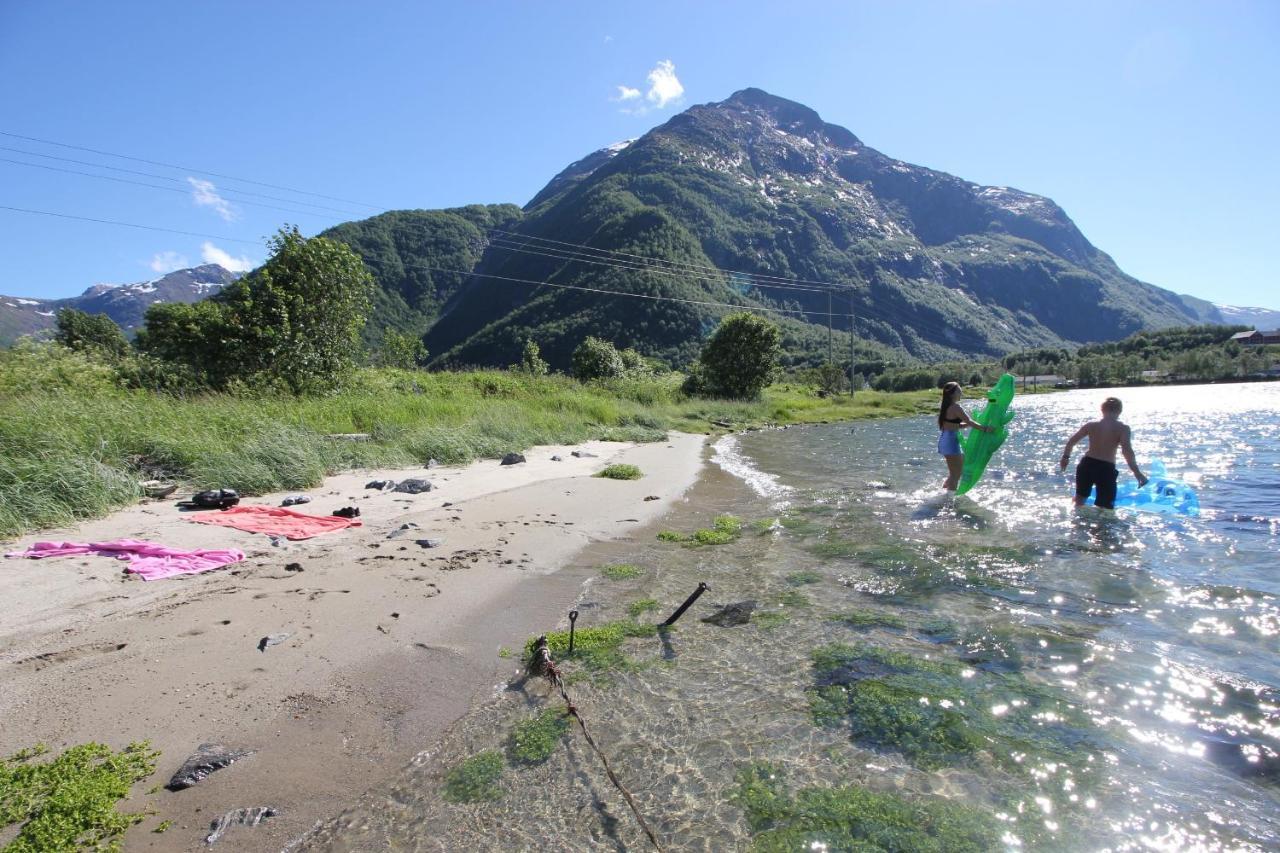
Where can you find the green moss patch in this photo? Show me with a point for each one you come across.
(621, 571)
(724, 530)
(597, 649)
(769, 619)
(856, 819)
(803, 578)
(938, 713)
(862, 618)
(69, 802)
(474, 780)
(794, 598)
(621, 472)
(533, 740)
(639, 608)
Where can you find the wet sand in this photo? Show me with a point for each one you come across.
(390, 643)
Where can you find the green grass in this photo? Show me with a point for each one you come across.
(621, 571)
(621, 472)
(802, 578)
(474, 780)
(639, 608)
(70, 801)
(724, 530)
(75, 443)
(533, 740)
(853, 818)
(861, 618)
(596, 650)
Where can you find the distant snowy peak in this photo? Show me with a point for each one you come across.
(618, 146)
(578, 171)
(126, 304)
(1259, 318)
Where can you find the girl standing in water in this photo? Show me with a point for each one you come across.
(952, 419)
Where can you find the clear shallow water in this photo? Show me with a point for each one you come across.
(1121, 670)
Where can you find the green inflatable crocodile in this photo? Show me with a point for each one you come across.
(980, 446)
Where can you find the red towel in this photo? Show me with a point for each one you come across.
(275, 521)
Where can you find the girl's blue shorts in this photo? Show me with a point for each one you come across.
(949, 442)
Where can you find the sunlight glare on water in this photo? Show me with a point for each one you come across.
(1062, 678)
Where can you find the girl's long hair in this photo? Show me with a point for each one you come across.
(949, 392)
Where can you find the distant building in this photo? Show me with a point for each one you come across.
(1255, 338)
(1154, 374)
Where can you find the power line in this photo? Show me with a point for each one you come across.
(155, 186)
(130, 225)
(624, 263)
(187, 169)
(173, 180)
(623, 293)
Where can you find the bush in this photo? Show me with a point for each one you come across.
(293, 324)
(741, 357)
(401, 350)
(95, 334)
(597, 359)
(531, 361)
(621, 472)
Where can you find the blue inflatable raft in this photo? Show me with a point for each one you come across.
(1161, 494)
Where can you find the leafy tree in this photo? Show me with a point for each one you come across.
(90, 333)
(296, 320)
(531, 361)
(294, 323)
(402, 350)
(741, 357)
(597, 359)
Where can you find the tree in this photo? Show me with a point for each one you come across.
(531, 361)
(597, 359)
(402, 350)
(90, 333)
(296, 320)
(741, 357)
(294, 323)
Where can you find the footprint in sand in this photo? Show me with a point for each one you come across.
(38, 662)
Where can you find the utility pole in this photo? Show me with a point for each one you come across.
(831, 353)
(851, 359)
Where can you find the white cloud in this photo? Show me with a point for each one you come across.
(211, 254)
(205, 194)
(164, 262)
(665, 89)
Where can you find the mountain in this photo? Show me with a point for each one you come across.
(1264, 319)
(928, 264)
(407, 251)
(126, 303)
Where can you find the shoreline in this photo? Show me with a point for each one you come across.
(389, 644)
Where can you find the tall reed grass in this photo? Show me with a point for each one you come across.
(73, 444)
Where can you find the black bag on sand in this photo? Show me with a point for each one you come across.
(212, 499)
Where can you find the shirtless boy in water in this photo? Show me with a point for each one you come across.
(1098, 465)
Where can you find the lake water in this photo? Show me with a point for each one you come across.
(1003, 669)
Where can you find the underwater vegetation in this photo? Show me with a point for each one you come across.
(853, 818)
(596, 650)
(534, 739)
(475, 779)
(621, 571)
(724, 530)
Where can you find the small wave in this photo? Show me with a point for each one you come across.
(729, 456)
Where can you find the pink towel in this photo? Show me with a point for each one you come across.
(149, 560)
(276, 521)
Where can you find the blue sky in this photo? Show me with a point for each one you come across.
(1154, 124)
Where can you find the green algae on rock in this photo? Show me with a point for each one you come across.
(850, 817)
(621, 571)
(69, 802)
(475, 779)
(534, 739)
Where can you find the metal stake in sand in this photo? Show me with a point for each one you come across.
(573, 617)
(671, 620)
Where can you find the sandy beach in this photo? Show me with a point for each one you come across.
(389, 642)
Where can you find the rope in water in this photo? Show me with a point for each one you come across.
(544, 666)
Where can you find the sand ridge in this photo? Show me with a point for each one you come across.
(389, 642)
